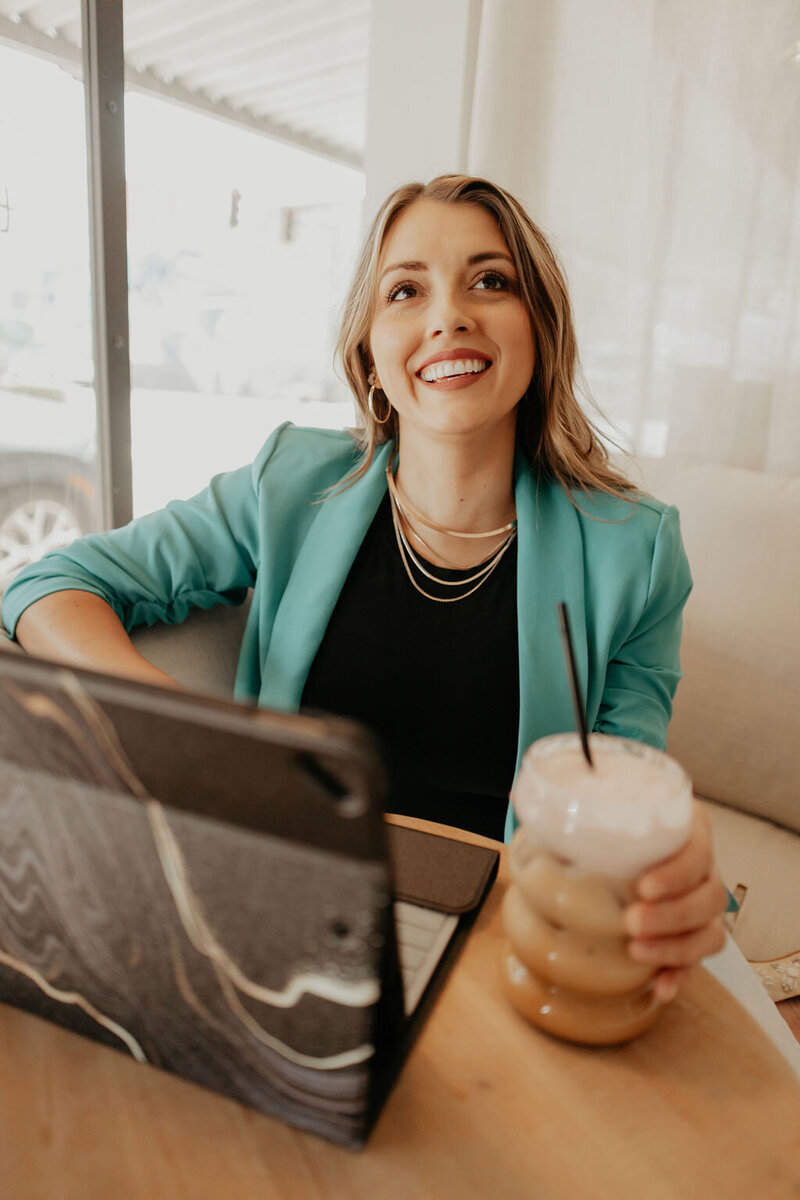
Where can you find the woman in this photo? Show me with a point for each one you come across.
(412, 579)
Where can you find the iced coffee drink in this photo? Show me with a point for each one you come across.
(586, 834)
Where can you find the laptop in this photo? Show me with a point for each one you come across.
(213, 890)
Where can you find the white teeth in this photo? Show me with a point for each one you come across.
(447, 370)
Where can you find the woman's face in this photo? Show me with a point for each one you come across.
(451, 339)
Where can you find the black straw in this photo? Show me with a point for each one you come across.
(572, 672)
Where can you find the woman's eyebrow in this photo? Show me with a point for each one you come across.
(484, 256)
(489, 254)
(405, 266)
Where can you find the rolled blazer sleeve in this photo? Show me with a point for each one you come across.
(192, 554)
(644, 670)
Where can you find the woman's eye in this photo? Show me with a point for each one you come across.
(493, 281)
(401, 291)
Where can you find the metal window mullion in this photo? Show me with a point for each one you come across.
(104, 84)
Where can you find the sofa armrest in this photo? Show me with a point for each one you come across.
(7, 645)
(736, 726)
(201, 654)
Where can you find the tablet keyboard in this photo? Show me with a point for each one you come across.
(422, 936)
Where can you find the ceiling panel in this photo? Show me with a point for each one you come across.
(296, 71)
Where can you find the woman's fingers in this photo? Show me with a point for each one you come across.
(683, 950)
(667, 983)
(680, 915)
(677, 918)
(684, 870)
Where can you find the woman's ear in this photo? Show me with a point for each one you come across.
(367, 364)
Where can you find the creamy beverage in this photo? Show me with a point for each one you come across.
(586, 834)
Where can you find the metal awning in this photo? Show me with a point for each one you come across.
(295, 71)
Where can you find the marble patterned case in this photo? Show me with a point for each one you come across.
(202, 886)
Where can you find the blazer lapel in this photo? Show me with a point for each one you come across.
(316, 581)
(549, 569)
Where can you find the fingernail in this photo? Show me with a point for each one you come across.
(641, 951)
(632, 921)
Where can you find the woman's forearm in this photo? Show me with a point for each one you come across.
(79, 628)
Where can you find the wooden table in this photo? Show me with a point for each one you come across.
(702, 1106)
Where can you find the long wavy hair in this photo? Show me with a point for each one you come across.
(557, 437)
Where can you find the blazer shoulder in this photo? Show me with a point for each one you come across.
(626, 533)
(633, 507)
(296, 455)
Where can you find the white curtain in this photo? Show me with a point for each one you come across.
(657, 143)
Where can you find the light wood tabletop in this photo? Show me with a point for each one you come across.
(486, 1106)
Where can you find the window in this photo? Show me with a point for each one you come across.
(240, 250)
(240, 246)
(48, 488)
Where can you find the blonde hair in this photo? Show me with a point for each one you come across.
(554, 432)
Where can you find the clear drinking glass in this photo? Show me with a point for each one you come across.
(585, 836)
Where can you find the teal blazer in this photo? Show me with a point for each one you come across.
(619, 565)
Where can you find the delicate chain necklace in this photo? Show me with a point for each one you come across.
(407, 510)
(426, 546)
(399, 513)
(484, 570)
(481, 575)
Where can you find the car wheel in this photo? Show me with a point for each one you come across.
(35, 522)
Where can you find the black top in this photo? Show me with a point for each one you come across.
(438, 683)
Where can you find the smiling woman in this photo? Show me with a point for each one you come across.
(409, 576)
(451, 321)
(425, 233)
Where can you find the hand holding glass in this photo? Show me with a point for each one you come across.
(586, 835)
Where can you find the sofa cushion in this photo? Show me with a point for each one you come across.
(202, 653)
(736, 726)
(764, 859)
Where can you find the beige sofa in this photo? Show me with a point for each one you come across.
(737, 717)
(736, 725)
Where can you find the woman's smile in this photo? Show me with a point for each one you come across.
(454, 369)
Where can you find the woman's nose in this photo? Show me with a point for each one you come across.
(448, 315)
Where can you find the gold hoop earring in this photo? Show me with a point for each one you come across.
(378, 420)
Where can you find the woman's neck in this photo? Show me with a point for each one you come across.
(463, 486)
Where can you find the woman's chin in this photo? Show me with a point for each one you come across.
(458, 422)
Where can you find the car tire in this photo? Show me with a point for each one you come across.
(35, 520)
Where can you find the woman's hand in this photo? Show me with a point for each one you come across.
(676, 919)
